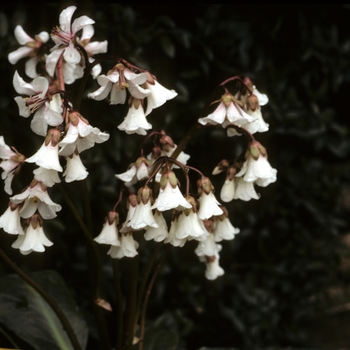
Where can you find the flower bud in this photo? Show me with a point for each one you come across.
(112, 217)
(223, 165)
(144, 194)
(204, 184)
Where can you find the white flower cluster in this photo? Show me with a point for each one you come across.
(33, 205)
(239, 110)
(141, 86)
(190, 219)
(241, 177)
(67, 133)
(66, 44)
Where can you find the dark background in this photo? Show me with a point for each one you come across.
(287, 273)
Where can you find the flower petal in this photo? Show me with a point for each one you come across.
(71, 54)
(51, 61)
(21, 86)
(80, 22)
(87, 34)
(16, 55)
(30, 67)
(21, 36)
(96, 47)
(66, 18)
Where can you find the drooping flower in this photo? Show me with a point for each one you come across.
(80, 135)
(165, 146)
(258, 124)
(43, 102)
(65, 37)
(227, 192)
(136, 172)
(158, 96)
(135, 121)
(31, 48)
(263, 99)
(109, 233)
(172, 238)
(75, 170)
(117, 81)
(169, 196)
(10, 221)
(131, 206)
(143, 216)
(34, 198)
(47, 155)
(127, 247)
(34, 238)
(189, 225)
(228, 112)
(207, 247)
(47, 176)
(244, 190)
(10, 162)
(213, 269)
(223, 229)
(159, 233)
(256, 168)
(208, 205)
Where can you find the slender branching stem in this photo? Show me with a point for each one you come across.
(119, 305)
(94, 262)
(132, 272)
(146, 274)
(146, 299)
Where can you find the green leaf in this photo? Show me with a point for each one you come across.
(27, 314)
(160, 339)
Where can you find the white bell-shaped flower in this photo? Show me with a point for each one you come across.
(10, 221)
(159, 233)
(257, 168)
(172, 238)
(143, 216)
(127, 247)
(208, 247)
(245, 190)
(158, 96)
(223, 229)
(80, 135)
(213, 269)
(135, 121)
(47, 155)
(47, 176)
(190, 226)
(170, 196)
(117, 81)
(34, 238)
(109, 233)
(34, 198)
(75, 169)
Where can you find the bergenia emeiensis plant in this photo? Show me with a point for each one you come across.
(151, 203)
